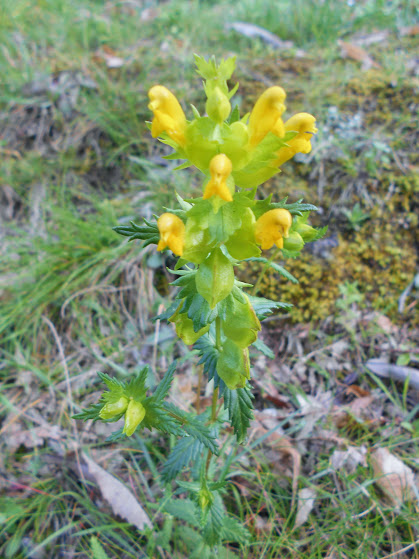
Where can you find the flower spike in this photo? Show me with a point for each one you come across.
(304, 125)
(172, 233)
(271, 227)
(266, 115)
(168, 114)
(220, 169)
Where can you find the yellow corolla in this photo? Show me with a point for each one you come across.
(220, 169)
(168, 114)
(172, 233)
(266, 115)
(304, 125)
(271, 227)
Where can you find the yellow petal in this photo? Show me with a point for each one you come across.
(304, 125)
(172, 233)
(168, 114)
(220, 169)
(265, 114)
(271, 227)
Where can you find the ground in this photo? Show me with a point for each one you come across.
(76, 159)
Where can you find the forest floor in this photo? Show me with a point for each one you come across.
(331, 465)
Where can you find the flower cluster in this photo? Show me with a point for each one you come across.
(227, 224)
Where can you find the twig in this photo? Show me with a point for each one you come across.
(401, 550)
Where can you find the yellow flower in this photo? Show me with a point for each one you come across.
(168, 114)
(266, 115)
(271, 227)
(303, 124)
(172, 233)
(220, 169)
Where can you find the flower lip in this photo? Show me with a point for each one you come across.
(220, 169)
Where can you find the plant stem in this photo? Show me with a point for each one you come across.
(198, 391)
(263, 271)
(218, 341)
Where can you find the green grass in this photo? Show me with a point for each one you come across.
(61, 264)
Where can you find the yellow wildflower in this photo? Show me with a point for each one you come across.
(220, 169)
(266, 115)
(168, 114)
(271, 227)
(172, 233)
(303, 124)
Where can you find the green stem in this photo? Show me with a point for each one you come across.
(263, 271)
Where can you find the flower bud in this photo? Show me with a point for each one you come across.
(271, 227)
(218, 106)
(294, 242)
(307, 232)
(168, 114)
(112, 409)
(133, 417)
(205, 498)
(220, 170)
(172, 233)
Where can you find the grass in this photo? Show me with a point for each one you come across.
(76, 160)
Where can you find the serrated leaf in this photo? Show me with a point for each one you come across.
(224, 223)
(136, 387)
(238, 404)
(185, 450)
(280, 269)
(97, 550)
(215, 518)
(264, 307)
(234, 531)
(164, 385)
(148, 232)
(263, 348)
(90, 413)
(209, 356)
(195, 427)
(183, 509)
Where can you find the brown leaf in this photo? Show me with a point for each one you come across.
(109, 56)
(121, 500)
(395, 479)
(306, 499)
(348, 50)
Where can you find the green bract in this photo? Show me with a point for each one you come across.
(215, 278)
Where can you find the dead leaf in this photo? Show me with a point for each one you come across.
(396, 372)
(394, 478)
(121, 500)
(348, 50)
(250, 30)
(306, 499)
(348, 459)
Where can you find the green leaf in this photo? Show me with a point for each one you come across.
(235, 115)
(195, 427)
(97, 550)
(215, 278)
(185, 450)
(238, 404)
(234, 531)
(263, 348)
(275, 266)
(164, 385)
(215, 519)
(90, 413)
(225, 222)
(264, 307)
(148, 233)
(183, 509)
(209, 357)
(136, 387)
